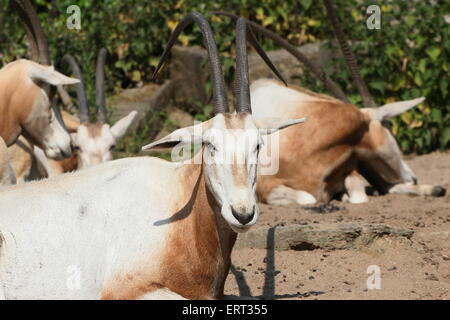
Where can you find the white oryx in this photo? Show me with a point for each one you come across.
(142, 228)
(325, 157)
(93, 142)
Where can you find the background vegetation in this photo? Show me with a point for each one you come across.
(408, 57)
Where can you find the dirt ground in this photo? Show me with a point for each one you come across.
(418, 268)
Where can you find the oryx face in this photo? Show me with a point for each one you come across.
(230, 145)
(230, 155)
(94, 142)
(380, 154)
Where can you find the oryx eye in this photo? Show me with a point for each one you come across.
(112, 147)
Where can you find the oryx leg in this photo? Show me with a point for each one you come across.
(282, 195)
(418, 190)
(356, 189)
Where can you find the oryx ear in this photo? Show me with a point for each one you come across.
(121, 126)
(271, 125)
(394, 109)
(49, 75)
(193, 134)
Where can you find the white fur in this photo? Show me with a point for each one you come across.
(101, 220)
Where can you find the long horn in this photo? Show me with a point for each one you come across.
(254, 42)
(69, 62)
(348, 55)
(29, 30)
(217, 79)
(100, 86)
(242, 83)
(29, 17)
(316, 70)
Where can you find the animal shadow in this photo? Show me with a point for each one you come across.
(269, 287)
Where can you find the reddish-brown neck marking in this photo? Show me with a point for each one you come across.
(196, 258)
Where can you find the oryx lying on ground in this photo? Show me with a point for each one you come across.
(25, 94)
(142, 228)
(93, 142)
(322, 159)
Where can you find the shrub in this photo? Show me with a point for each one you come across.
(406, 58)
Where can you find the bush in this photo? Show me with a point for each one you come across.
(406, 58)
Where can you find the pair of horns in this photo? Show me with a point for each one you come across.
(69, 62)
(242, 87)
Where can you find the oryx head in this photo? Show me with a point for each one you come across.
(94, 142)
(43, 125)
(380, 158)
(230, 141)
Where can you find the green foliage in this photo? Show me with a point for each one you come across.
(407, 58)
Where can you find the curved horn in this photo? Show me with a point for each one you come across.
(252, 39)
(30, 19)
(70, 62)
(217, 79)
(316, 70)
(100, 86)
(29, 30)
(348, 55)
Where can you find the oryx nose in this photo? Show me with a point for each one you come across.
(242, 216)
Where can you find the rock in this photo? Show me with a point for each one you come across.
(180, 118)
(189, 70)
(330, 237)
(145, 100)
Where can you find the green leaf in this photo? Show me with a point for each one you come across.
(418, 79)
(306, 4)
(422, 65)
(433, 52)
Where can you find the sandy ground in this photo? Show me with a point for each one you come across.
(418, 268)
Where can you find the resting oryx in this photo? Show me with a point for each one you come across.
(322, 159)
(93, 142)
(142, 228)
(24, 94)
